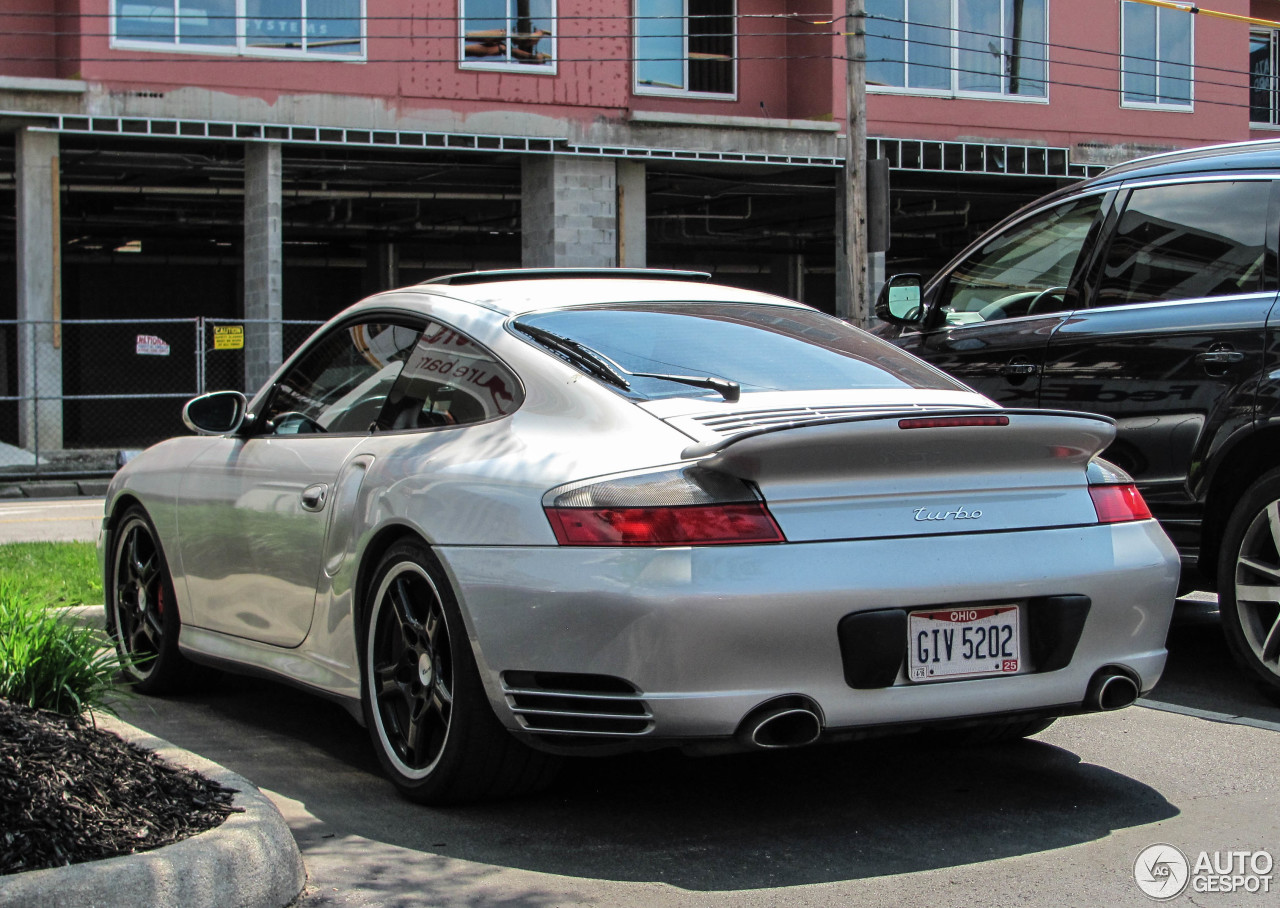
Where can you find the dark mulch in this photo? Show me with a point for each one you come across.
(70, 792)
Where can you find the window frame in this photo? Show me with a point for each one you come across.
(1090, 247)
(1270, 279)
(638, 88)
(1187, 106)
(505, 64)
(241, 47)
(953, 65)
(1272, 37)
(396, 393)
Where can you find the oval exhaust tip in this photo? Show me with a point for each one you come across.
(788, 728)
(1111, 690)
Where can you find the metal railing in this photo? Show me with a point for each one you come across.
(75, 393)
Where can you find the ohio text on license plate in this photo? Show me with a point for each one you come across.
(962, 643)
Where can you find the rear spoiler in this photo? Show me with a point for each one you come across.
(693, 452)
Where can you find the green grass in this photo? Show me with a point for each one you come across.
(52, 573)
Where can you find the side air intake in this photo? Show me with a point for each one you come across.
(576, 704)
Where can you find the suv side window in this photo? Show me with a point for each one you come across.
(1188, 241)
(1026, 270)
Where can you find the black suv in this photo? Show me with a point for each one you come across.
(1147, 294)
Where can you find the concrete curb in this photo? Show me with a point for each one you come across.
(250, 861)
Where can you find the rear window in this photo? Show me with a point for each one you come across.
(760, 347)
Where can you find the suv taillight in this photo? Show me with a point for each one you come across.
(680, 506)
(1115, 497)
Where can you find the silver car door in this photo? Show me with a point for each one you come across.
(254, 511)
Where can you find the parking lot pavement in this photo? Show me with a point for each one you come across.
(50, 520)
(1058, 820)
(1054, 821)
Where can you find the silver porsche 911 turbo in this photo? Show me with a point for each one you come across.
(506, 516)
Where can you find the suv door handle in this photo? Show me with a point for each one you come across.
(313, 497)
(1220, 357)
(1018, 369)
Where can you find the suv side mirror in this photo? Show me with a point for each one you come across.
(218, 413)
(899, 300)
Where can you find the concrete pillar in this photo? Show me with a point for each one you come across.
(569, 212)
(632, 211)
(39, 291)
(875, 280)
(263, 262)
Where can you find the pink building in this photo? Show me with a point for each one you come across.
(275, 159)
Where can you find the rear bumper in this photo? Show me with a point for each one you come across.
(705, 635)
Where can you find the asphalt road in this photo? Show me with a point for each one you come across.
(1057, 820)
(45, 519)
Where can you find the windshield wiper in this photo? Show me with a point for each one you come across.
(729, 390)
(584, 358)
(602, 367)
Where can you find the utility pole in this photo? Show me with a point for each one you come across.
(854, 305)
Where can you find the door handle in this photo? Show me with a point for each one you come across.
(314, 497)
(1018, 369)
(1220, 357)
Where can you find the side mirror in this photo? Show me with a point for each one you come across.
(218, 413)
(899, 300)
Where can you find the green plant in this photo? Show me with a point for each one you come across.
(48, 662)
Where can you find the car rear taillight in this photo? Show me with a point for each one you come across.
(1115, 497)
(681, 506)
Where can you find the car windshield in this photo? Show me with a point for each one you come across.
(758, 347)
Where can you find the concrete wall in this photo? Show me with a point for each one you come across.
(569, 212)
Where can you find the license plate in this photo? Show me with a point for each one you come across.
(947, 644)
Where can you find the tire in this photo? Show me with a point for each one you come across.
(142, 611)
(428, 716)
(1249, 583)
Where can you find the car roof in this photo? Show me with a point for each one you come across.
(511, 293)
(1242, 156)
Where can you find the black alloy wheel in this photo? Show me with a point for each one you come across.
(142, 613)
(411, 669)
(434, 731)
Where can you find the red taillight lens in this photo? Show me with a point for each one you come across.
(712, 524)
(946, 422)
(1118, 503)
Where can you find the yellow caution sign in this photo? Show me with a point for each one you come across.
(228, 337)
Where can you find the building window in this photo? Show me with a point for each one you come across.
(1264, 53)
(516, 34)
(298, 28)
(983, 47)
(1155, 56)
(685, 47)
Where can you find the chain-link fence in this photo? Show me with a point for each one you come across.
(75, 393)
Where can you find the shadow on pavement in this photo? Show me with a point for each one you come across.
(728, 823)
(1201, 673)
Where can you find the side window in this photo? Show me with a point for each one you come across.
(1024, 271)
(449, 380)
(1189, 241)
(341, 384)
